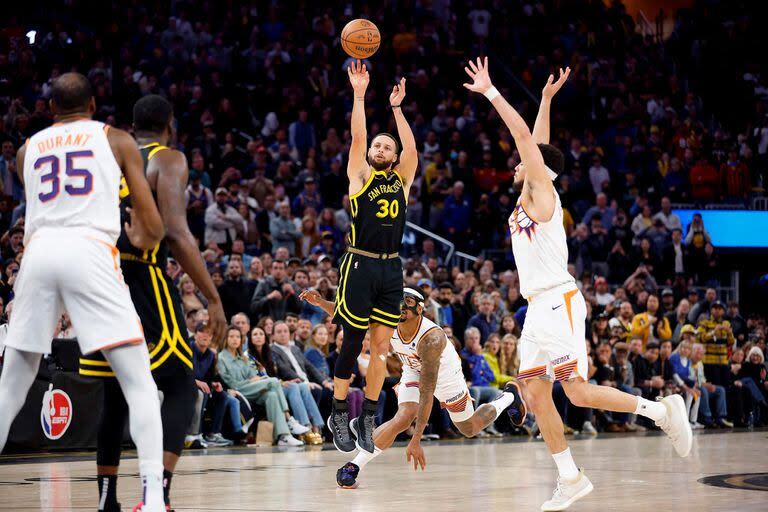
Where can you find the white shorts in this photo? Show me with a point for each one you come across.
(552, 343)
(451, 391)
(81, 276)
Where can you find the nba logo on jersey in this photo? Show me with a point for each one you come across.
(56, 413)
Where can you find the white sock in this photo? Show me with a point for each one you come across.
(151, 473)
(363, 457)
(650, 409)
(504, 401)
(131, 366)
(565, 465)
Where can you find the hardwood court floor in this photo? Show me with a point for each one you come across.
(630, 473)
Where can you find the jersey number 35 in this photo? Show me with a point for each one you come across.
(78, 181)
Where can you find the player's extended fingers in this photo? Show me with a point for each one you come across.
(468, 86)
(485, 63)
(473, 66)
(469, 72)
(550, 79)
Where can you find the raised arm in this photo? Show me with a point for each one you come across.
(171, 184)
(538, 188)
(146, 227)
(541, 126)
(409, 157)
(429, 350)
(357, 168)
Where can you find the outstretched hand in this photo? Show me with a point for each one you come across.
(478, 72)
(358, 77)
(311, 296)
(552, 87)
(398, 93)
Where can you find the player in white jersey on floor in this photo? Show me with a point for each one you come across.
(552, 345)
(71, 172)
(431, 368)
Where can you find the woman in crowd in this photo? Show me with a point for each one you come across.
(240, 374)
(682, 369)
(317, 352)
(190, 298)
(310, 236)
(492, 353)
(753, 377)
(262, 352)
(508, 325)
(256, 270)
(509, 360)
(266, 324)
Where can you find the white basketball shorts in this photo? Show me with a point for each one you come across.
(79, 275)
(552, 343)
(451, 391)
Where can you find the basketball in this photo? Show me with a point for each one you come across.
(360, 39)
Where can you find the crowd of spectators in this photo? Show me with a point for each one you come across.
(262, 110)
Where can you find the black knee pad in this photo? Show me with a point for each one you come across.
(179, 396)
(114, 415)
(353, 345)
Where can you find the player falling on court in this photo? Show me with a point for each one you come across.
(552, 345)
(72, 172)
(431, 368)
(158, 304)
(370, 272)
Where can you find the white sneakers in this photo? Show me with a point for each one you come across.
(296, 428)
(289, 440)
(566, 493)
(588, 428)
(676, 425)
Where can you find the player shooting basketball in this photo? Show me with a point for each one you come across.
(371, 273)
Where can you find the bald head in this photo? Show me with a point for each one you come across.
(71, 94)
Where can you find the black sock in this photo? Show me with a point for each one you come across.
(167, 476)
(108, 486)
(340, 405)
(370, 406)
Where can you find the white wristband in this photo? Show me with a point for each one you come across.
(491, 93)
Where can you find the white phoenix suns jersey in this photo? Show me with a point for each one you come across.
(72, 180)
(540, 249)
(450, 363)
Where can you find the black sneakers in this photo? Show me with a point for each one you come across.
(362, 428)
(346, 476)
(338, 424)
(518, 410)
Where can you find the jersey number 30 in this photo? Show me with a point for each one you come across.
(387, 209)
(82, 188)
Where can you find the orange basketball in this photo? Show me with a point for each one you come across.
(360, 39)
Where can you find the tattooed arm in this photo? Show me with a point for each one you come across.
(429, 350)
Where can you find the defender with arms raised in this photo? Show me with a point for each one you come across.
(552, 345)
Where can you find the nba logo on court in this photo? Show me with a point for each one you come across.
(56, 413)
